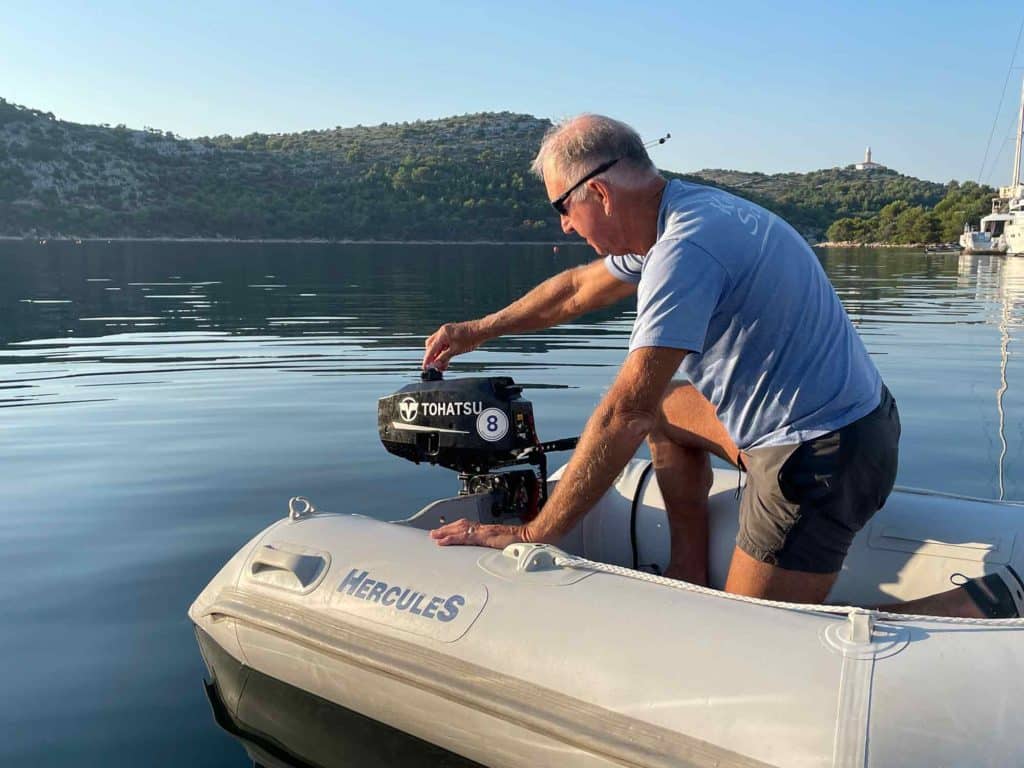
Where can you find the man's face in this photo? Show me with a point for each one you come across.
(587, 218)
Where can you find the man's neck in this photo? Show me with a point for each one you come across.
(645, 216)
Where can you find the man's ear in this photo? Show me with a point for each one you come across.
(604, 194)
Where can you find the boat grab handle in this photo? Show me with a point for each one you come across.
(305, 568)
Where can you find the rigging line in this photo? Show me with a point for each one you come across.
(1001, 97)
(999, 154)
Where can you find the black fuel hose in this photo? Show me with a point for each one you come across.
(632, 514)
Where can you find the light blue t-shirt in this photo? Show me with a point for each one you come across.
(770, 344)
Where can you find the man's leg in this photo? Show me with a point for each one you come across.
(803, 504)
(954, 602)
(687, 431)
(749, 576)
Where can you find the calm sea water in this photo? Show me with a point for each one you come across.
(161, 402)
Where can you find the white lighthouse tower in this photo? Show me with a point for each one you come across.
(867, 165)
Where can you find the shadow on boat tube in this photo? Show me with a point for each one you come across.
(279, 725)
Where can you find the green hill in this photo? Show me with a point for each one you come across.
(813, 201)
(458, 178)
(461, 178)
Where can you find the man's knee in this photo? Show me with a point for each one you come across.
(687, 420)
(658, 435)
(666, 438)
(681, 465)
(671, 428)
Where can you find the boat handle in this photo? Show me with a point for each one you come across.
(305, 568)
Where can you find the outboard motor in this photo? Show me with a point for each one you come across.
(481, 428)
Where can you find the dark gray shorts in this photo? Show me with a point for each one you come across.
(803, 504)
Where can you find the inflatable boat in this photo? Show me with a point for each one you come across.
(580, 654)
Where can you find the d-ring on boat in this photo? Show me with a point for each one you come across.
(581, 655)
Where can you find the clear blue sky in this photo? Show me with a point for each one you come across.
(779, 86)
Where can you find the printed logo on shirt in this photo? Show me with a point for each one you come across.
(746, 216)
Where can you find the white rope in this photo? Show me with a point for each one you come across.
(842, 610)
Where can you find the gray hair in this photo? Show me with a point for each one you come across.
(576, 146)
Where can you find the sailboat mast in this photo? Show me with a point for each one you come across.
(1020, 133)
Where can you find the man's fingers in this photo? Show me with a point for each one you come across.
(438, 358)
(432, 359)
(434, 348)
(447, 341)
(459, 532)
(453, 540)
(443, 359)
(449, 528)
(466, 532)
(433, 344)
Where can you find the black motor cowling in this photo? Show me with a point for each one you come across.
(474, 426)
(469, 425)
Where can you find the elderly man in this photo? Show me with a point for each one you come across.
(777, 381)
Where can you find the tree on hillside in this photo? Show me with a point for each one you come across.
(915, 225)
(964, 203)
(885, 225)
(850, 230)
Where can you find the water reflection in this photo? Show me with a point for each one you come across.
(279, 725)
(95, 289)
(123, 312)
(998, 280)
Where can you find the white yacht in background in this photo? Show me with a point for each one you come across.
(1013, 233)
(989, 237)
(1002, 231)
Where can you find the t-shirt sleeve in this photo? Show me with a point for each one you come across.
(625, 268)
(681, 288)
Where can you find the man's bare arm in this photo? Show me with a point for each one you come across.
(625, 416)
(622, 420)
(567, 295)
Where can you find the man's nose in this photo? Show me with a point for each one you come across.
(566, 224)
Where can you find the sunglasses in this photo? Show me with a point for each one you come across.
(559, 202)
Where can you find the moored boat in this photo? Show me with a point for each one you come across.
(1002, 230)
(943, 248)
(989, 238)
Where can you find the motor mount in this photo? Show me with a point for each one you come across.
(475, 426)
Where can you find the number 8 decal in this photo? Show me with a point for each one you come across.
(492, 425)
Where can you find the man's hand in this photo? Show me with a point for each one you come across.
(449, 340)
(464, 532)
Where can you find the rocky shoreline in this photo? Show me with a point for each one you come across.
(906, 246)
(325, 241)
